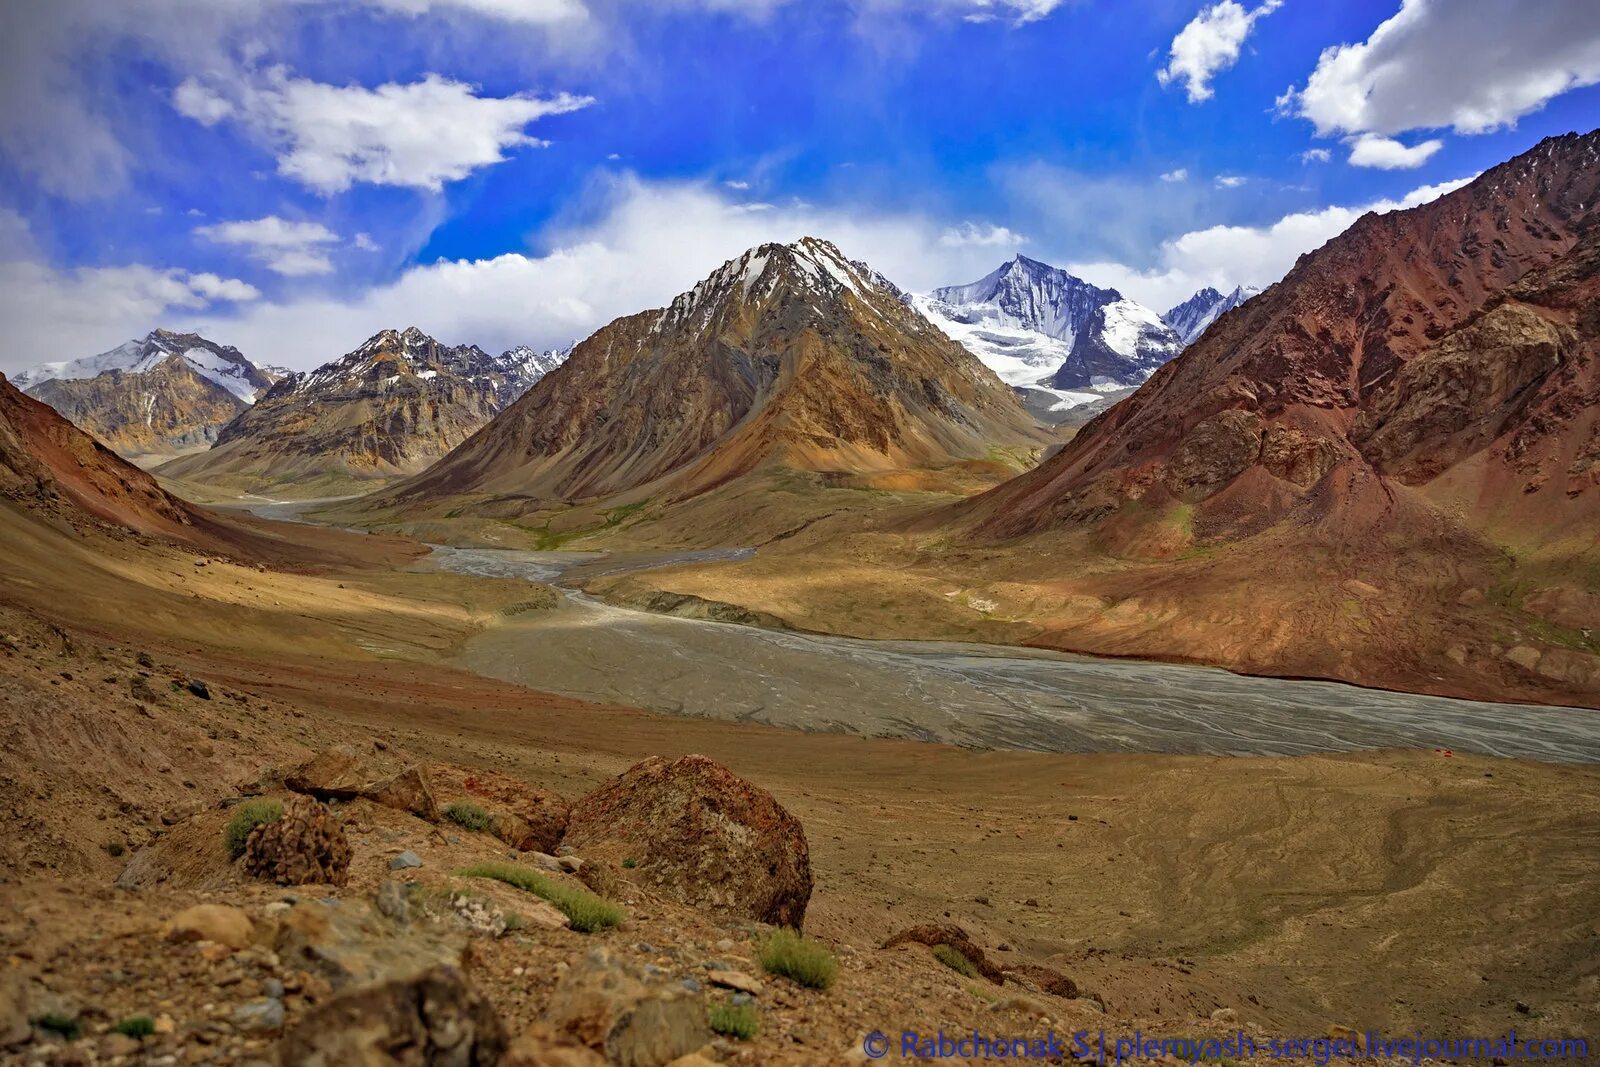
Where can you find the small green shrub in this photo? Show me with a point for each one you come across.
(956, 960)
(66, 1026)
(115, 849)
(630, 863)
(588, 913)
(136, 1026)
(469, 817)
(246, 817)
(807, 962)
(735, 1020)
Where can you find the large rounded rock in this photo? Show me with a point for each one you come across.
(700, 834)
(346, 773)
(307, 845)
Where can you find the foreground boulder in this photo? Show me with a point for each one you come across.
(953, 936)
(307, 845)
(345, 773)
(699, 833)
(632, 1023)
(435, 1019)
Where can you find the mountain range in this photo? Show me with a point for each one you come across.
(385, 410)
(1066, 345)
(789, 357)
(157, 397)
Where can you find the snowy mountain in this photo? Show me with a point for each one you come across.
(1192, 317)
(1027, 320)
(529, 366)
(159, 396)
(1121, 345)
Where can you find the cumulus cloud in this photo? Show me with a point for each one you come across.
(52, 314)
(1210, 44)
(1466, 65)
(292, 249)
(1179, 175)
(420, 135)
(973, 235)
(1385, 153)
(1225, 256)
(1316, 155)
(1230, 181)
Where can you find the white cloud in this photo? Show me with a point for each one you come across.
(420, 135)
(1230, 181)
(737, 186)
(1225, 256)
(292, 249)
(1467, 65)
(1385, 153)
(972, 235)
(195, 101)
(1210, 44)
(532, 11)
(1179, 175)
(52, 315)
(364, 242)
(1316, 155)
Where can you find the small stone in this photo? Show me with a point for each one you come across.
(735, 980)
(405, 861)
(259, 1017)
(392, 901)
(114, 1045)
(545, 862)
(1224, 1015)
(273, 988)
(211, 922)
(165, 1024)
(200, 689)
(691, 985)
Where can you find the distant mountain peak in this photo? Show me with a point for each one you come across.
(1195, 315)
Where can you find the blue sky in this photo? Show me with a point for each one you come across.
(293, 175)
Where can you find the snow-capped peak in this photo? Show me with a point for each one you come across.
(221, 365)
(1195, 315)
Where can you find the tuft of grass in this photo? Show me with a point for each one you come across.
(136, 1026)
(792, 956)
(67, 1026)
(735, 1020)
(588, 913)
(630, 863)
(246, 817)
(115, 849)
(955, 960)
(469, 817)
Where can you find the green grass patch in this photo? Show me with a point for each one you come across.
(588, 913)
(956, 960)
(735, 1020)
(808, 962)
(246, 817)
(136, 1026)
(630, 863)
(66, 1026)
(469, 817)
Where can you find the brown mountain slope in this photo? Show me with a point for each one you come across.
(788, 357)
(388, 409)
(1384, 468)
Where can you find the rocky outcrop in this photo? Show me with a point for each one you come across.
(524, 816)
(954, 937)
(434, 1019)
(604, 1007)
(345, 773)
(699, 833)
(307, 845)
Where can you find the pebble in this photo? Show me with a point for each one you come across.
(405, 861)
(260, 1016)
